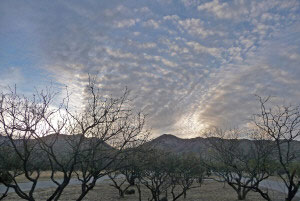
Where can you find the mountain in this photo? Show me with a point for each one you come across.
(180, 145)
(201, 145)
(61, 143)
(167, 142)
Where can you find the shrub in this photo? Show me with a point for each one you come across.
(130, 192)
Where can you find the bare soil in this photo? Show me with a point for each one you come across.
(209, 191)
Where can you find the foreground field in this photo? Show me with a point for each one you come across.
(209, 191)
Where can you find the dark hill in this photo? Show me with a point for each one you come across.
(200, 145)
(175, 144)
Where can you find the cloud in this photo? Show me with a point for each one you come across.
(171, 17)
(187, 69)
(126, 23)
(119, 54)
(190, 3)
(11, 76)
(151, 23)
(224, 10)
(269, 72)
(145, 45)
(196, 27)
(216, 52)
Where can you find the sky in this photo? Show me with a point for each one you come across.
(190, 64)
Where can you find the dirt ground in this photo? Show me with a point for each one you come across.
(45, 175)
(209, 191)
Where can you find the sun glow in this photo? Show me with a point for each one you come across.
(190, 126)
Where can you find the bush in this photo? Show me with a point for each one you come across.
(130, 192)
(164, 199)
(4, 177)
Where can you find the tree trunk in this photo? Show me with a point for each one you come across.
(289, 197)
(241, 195)
(121, 192)
(84, 193)
(4, 194)
(139, 191)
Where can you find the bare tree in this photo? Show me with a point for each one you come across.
(109, 126)
(282, 125)
(84, 143)
(127, 173)
(162, 172)
(39, 137)
(155, 174)
(186, 171)
(20, 120)
(118, 182)
(4, 151)
(136, 164)
(241, 163)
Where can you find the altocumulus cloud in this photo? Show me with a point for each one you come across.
(190, 64)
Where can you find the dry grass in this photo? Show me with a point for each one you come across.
(44, 176)
(209, 191)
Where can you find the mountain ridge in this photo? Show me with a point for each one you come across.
(169, 142)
